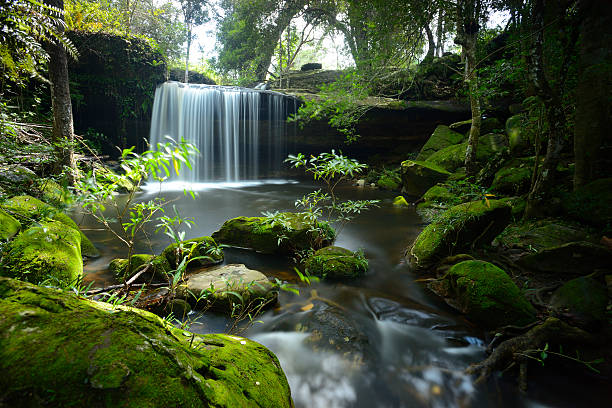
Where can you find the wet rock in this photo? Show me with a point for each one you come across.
(515, 177)
(334, 262)
(311, 66)
(418, 177)
(572, 258)
(222, 287)
(27, 210)
(158, 268)
(485, 293)
(459, 228)
(49, 251)
(442, 137)
(583, 299)
(286, 233)
(120, 356)
(361, 183)
(204, 251)
(534, 236)
(9, 226)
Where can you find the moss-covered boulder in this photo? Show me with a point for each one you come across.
(51, 192)
(518, 136)
(592, 203)
(335, 262)
(48, 251)
(158, 267)
(439, 194)
(15, 178)
(389, 180)
(203, 250)
(58, 350)
(572, 258)
(9, 226)
(584, 299)
(536, 235)
(28, 209)
(458, 228)
(420, 176)
(514, 178)
(517, 204)
(442, 137)
(486, 125)
(436, 200)
(227, 288)
(485, 293)
(285, 233)
(453, 157)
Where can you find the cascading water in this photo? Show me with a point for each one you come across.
(228, 126)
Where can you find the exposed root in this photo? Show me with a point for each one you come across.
(518, 350)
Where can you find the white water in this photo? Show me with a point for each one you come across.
(227, 126)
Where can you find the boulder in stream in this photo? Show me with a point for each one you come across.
(59, 350)
(419, 176)
(158, 267)
(49, 251)
(458, 228)
(204, 251)
(485, 293)
(284, 233)
(335, 262)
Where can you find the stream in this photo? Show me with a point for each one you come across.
(379, 341)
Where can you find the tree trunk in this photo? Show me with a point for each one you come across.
(439, 32)
(187, 56)
(431, 45)
(63, 128)
(593, 116)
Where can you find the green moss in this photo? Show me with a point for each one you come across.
(294, 233)
(534, 236)
(48, 251)
(583, 297)
(9, 226)
(59, 350)
(194, 248)
(157, 271)
(453, 157)
(419, 176)
(54, 194)
(336, 263)
(442, 137)
(439, 193)
(486, 294)
(460, 227)
(517, 204)
(515, 177)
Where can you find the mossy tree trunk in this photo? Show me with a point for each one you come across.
(468, 18)
(593, 117)
(63, 128)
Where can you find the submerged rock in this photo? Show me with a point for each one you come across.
(458, 228)
(9, 226)
(442, 137)
(334, 262)
(204, 251)
(485, 293)
(49, 251)
(583, 299)
(28, 210)
(419, 176)
(58, 350)
(222, 287)
(286, 233)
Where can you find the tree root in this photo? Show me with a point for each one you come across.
(518, 350)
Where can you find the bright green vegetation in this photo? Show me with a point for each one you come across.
(461, 227)
(441, 138)
(515, 177)
(158, 267)
(286, 234)
(452, 157)
(61, 350)
(334, 262)
(9, 226)
(485, 293)
(49, 251)
(204, 251)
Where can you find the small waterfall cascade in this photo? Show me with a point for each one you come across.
(241, 133)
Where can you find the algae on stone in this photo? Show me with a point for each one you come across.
(59, 350)
(460, 227)
(48, 251)
(296, 233)
(335, 262)
(485, 293)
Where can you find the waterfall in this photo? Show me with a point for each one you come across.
(241, 133)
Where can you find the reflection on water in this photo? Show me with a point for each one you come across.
(379, 341)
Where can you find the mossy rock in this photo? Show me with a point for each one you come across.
(540, 234)
(290, 233)
(204, 248)
(592, 203)
(517, 204)
(16, 179)
(9, 226)
(59, 350)
(486, 125)
(389, 181)
(435, 200)
(439, 194)
(572, 258)
(335, 262)
(453, 157)
(584, 298)
(518, 137)
(485, 293)
(54, 194)
(420, 176)
(442, 137)
(28, 210)
(515, 177)
(157, 271)
(459, 228)
(48, 251)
